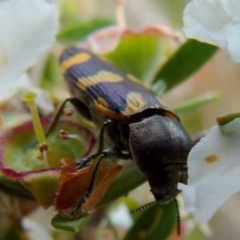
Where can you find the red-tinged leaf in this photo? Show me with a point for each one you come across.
(74, 185)
(109, 173)
(68, 167)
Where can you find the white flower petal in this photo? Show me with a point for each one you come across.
(11, 89)
(232, 9)
(16, 90)
(216, 22)
(27, 28)
(121, 217)
(43, 100)
(214, 171)
(189, 197)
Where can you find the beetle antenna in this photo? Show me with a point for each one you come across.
(143, 207)
(155, 202)
(178, 217)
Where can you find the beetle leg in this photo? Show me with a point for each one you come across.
(101, 135)
(87, 159)
(84, 161)
(111, 153)
(58, 115)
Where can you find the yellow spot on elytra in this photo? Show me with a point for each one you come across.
(102, 76)
(134, 102)
(101, 103)
(102, 106)
(211, 158)
(76, 59)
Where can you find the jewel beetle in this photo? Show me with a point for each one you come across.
(139, 124)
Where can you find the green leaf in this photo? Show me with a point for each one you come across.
(155, 223)
(43, 186)
(128, 180)
(15, 188)
(141, 53)
(227, 118)
(196, 101)
(79, 30)
(51, 75)
(13, 231)
(64, 222)
(188, 59)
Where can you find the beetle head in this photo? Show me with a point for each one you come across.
(160, 147)
(164, 182)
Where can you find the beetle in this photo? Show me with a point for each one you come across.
(139, 124)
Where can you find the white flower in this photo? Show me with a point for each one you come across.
(27, 28)
(214, 171)
(216, 22)
(14, 91)
(121, 217)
